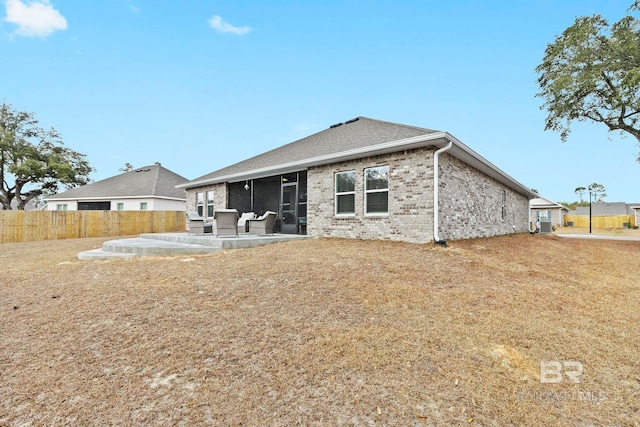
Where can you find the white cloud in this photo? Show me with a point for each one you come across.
(220, 26)
(34, 19)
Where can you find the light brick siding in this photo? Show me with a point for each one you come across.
(219, 198)
(471, 203)
(410, 215)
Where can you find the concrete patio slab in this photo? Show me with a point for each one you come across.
(154, 244)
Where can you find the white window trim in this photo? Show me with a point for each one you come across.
(377, 190)
(343, 193)
(207, 204)
(200, 203)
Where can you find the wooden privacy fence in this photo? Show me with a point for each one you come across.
(618, 221)
(29, 226)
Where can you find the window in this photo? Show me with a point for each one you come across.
(143, 206)
(504, 204)
(346, 193)
(120, 206)
(61, 207)
(544, 216)
(199, 203)
(210, 204)
(376, 190)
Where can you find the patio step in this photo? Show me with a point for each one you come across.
(126, 248)
(154, 244)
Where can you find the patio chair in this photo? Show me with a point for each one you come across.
(243, 224)
(226, 222)
(197, 224)
(263, 224)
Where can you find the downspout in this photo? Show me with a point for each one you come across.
(436, 235)
(532, 231)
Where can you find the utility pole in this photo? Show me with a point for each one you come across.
(589, 210)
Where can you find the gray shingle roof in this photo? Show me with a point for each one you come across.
(147, 181)
(353, 134)
(354, 139)
(603, 209)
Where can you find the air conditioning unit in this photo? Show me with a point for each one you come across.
(545, 227)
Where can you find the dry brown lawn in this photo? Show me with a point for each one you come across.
(322, 332)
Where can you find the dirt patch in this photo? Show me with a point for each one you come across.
(322, 332)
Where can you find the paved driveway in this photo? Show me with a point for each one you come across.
(599, 237)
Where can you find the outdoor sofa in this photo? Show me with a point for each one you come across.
(263, 224)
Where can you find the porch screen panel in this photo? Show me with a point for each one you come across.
(266, 194)
(239, 198)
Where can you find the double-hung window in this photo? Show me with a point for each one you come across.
(346, 193)
(209, 204)
(200, 203)
(376, 190)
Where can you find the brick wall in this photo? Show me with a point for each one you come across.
(410, 215)
(219, 198)
(471, 203)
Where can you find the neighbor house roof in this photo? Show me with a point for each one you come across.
(357, 138)
(543, 203)
(603, 209)
(149, 181)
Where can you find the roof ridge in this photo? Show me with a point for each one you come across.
(154, 187)
(398, 124)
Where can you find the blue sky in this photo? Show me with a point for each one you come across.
(198, 85)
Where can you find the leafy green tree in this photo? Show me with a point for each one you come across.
(591, 72)
(580, 191)
(34, 161)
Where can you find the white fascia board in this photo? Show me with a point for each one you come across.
(357, 153)
(436, 139)
(73, 199)
(543, 202)
(472, 158)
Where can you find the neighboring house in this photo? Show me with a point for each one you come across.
(147, 188)
(544, 210)
(603, 209)
(371, 179)
(635, 211)
(618, 214)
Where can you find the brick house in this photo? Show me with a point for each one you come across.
(371, 179)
